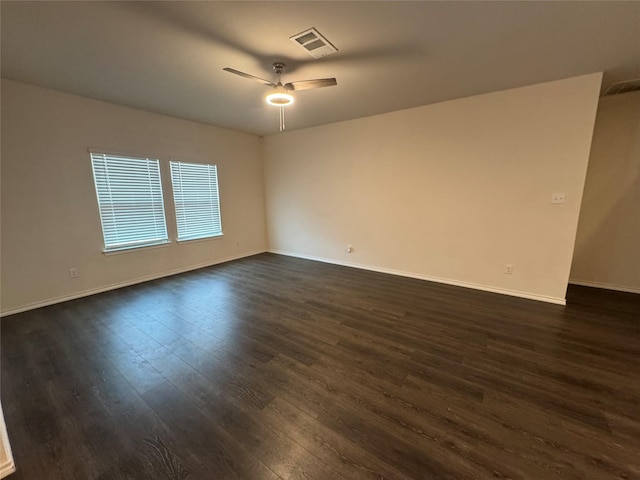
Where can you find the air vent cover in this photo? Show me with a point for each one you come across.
(623, 87)
(315, 44)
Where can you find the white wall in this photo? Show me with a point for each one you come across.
(451, 192)
(607, 252)
(50, 219)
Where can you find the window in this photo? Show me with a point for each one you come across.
(129, 192)
(195, 194)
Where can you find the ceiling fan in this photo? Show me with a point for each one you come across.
(279, 95)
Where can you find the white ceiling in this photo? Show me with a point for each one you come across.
(167, 57)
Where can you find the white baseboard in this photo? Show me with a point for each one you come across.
(6, 458)
(86, 293)
(456, 283)
(606, 286)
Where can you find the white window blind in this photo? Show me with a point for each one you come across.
(129, 192)
(195, 194)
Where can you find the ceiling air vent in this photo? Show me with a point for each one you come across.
(623, 87)
(314, 43)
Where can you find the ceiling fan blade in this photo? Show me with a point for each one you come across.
(251, 77)
(308, 84)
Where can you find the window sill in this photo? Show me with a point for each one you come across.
(136, 249)
(220, 235)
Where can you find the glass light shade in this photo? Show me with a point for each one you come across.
(279, 97)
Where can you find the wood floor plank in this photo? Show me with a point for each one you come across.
(275, 367)
(227, 457)
(334, 449)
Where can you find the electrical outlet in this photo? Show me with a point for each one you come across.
(558, 198)
(508, 269)
(73, 273)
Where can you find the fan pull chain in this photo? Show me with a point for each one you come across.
(282, 127)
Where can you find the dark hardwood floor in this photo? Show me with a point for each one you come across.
(274, 367)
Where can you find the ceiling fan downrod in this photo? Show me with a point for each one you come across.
(279, 67)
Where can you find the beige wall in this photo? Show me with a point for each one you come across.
(451, 192)
(607, 252)
(50, 219)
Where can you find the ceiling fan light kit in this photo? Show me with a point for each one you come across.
(279, 97)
